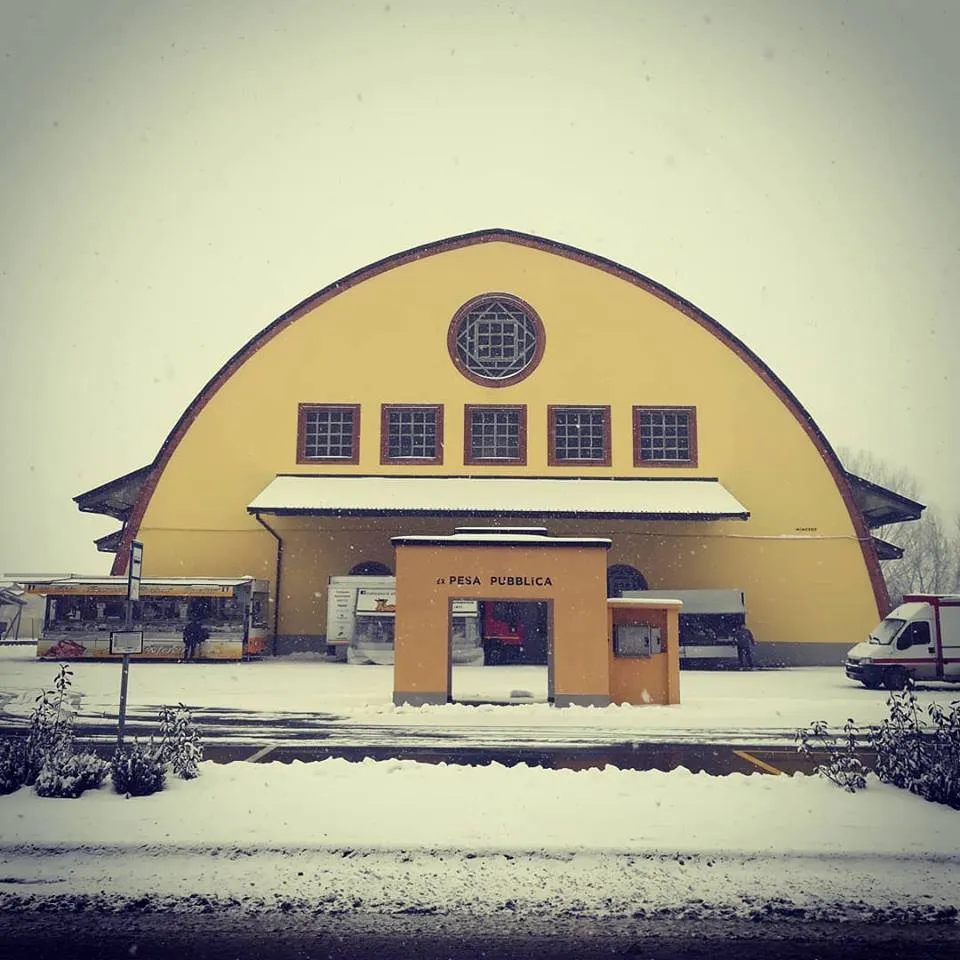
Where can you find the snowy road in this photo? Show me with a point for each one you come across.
(131, 934)
(293, 699)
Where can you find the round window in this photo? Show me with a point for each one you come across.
(496, 339)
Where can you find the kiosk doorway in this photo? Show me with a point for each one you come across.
(513, 640)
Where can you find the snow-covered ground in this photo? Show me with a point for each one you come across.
(395, 837)
(715, 704)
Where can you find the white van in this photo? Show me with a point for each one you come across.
(919, 640)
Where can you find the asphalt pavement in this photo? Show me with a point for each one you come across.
(213, 937)
(234, 735)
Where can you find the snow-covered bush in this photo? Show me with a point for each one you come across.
(843, 766)
(45, 758)
(921, 758)
(137, 769)
(51, 725)
(14, 764)
(67, 774)
(911, 752)
(180, 743)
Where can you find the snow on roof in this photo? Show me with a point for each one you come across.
(640, 497)
(59, 580)
(698, 601)
(511, 536)
(657, 602)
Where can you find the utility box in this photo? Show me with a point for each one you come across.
(644, 650)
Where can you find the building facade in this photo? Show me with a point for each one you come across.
(501, 378)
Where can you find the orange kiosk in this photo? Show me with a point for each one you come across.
(599, 651)
(644, 650)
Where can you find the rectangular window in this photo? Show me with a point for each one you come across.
(328, 433)
(579, 435)
(495, 434)
(665, 436)
(411, 434)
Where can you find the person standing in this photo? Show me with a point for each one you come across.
(745, 641)
(194, 633)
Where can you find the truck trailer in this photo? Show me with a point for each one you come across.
(708, 620)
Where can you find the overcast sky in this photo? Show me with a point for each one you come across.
(174, 175)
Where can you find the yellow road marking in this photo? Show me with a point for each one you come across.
(756, 761)
(261, 753)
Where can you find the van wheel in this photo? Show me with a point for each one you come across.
(895, 678)
(872, 684)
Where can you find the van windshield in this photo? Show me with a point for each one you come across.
(885, 631)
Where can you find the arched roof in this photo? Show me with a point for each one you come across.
(500, 235)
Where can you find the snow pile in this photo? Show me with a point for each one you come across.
(393, 836)
(403, 804)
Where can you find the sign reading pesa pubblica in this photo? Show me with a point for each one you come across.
(496, 581)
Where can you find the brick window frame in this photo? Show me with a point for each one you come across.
(552, 454)
(387, 409)
(304, 410)
(691, 415)
(468, 411)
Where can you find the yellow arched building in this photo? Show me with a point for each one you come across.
(501, 378)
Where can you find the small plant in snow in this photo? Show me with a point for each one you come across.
(66, 774)
(921, 758)
(899, 740)
(138, 770)
(14, 764)
(180, 743)
(45, 758)
(945, 786)
(843, 767)
(912, 753)
(51, 724)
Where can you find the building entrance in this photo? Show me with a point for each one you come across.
(513, 640)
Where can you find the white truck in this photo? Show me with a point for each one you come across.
(919, 640)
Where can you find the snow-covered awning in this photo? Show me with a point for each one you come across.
(115, 498)
(880, 505)
(639, 498)
(886, 550)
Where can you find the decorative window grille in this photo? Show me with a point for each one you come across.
(496, 339)
(665, 435)
(496, 433)
(580, 434)
(411, 433)
(329, 432)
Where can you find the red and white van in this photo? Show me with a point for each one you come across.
(919, 640)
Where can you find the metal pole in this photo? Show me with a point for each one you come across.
(122, 716)
(123, 699)
(134, 565)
